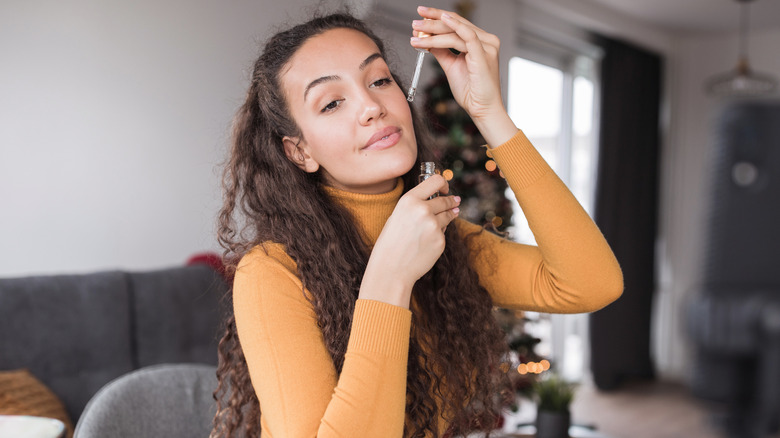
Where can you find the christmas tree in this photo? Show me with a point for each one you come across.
(524, 364)
(475, 177)
(469, 168)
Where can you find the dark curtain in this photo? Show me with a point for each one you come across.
(626, 208)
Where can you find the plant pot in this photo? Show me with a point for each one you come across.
(550, 424)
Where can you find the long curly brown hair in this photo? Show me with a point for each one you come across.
(454, 339)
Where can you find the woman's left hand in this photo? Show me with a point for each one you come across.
(473, 74)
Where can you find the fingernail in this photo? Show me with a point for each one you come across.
(415, 39)
(456, 210)
(422, 8)
(457, 199)
(446, 15)
(417, 23)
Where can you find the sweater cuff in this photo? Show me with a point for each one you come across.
(380, 328)
(519, 160)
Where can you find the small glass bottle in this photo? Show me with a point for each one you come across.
(427, 169)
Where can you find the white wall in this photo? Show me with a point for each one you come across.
(113, 119)
(593, 16)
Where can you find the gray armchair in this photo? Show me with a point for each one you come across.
(170, 400)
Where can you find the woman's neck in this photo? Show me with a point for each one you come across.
(370, 189)
(371, 211)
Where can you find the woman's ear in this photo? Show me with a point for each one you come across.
(295, 149)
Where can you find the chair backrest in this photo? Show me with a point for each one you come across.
(170, 400)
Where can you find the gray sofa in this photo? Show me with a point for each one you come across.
(76, 333)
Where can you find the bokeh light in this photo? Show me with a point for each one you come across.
(522, 369)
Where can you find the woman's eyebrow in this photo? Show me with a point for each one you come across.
(371, 58)
(319, 81)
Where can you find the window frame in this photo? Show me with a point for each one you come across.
(571, 62)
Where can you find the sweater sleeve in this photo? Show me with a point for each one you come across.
(573, 268)
(292, 372)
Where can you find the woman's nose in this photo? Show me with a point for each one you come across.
(371, 108)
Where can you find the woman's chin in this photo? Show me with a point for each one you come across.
(402, 165)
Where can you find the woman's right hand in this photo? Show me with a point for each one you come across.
(410, 243)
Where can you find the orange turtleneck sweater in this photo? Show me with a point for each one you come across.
(572, 270)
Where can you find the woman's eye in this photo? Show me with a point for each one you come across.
(331, 106)
(382, 82)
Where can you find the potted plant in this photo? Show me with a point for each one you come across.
(553, 397)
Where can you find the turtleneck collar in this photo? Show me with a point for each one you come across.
(371, 211)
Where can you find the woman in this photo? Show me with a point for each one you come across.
(362, 306)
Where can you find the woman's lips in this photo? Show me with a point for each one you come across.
(383, 139)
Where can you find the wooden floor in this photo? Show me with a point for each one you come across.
(639, 410)
(658, 410)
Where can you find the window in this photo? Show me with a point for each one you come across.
(552, 98)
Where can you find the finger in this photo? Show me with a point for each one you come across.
(438, 27)
(446, 41)
(444, 218)
(435, 14)
(443, 203)
(469, 36)
(443, 42)
(435, 184)
(432, 27)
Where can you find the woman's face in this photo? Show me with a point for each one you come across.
(355, 120)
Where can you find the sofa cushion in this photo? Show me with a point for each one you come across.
(22, 394)
(70, 331)
(177, 315)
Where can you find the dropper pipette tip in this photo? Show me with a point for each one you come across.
(416, 77)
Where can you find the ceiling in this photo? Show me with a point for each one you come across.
(698, 15)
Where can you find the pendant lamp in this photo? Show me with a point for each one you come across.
(742, 81)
